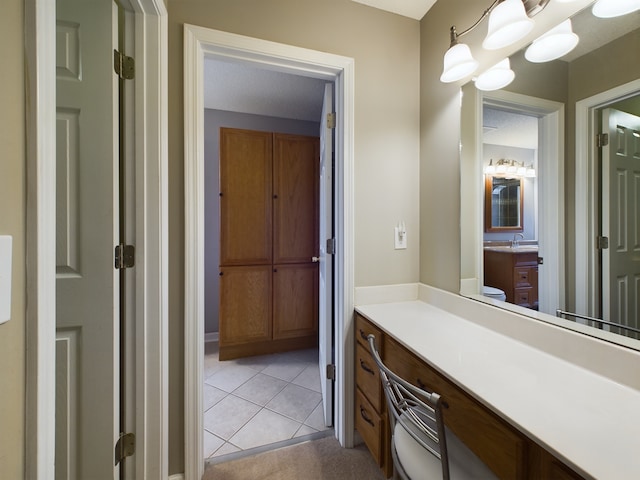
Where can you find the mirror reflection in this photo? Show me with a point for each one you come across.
(580, 197)
(503, 204)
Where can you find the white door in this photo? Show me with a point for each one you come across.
(87, 369)
(621, 218)
(325, 327)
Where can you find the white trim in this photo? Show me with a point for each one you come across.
(198, 43)
(211, 337)
(151, 364)
(177, 476)
(586, 188)
(40, 34)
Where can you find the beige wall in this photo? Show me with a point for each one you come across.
(12, 222)
(386, 52)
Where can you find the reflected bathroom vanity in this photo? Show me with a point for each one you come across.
(514, 270)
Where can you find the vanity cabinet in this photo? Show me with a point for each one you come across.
(514, 271)
(503, 448)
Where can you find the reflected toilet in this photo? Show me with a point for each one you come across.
(494, 293)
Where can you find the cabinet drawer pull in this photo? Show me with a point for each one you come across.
(365, 417)
(363, 335)
(366, 367)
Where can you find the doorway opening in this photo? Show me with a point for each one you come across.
(601, 210)
(543, 212)
(200, 43)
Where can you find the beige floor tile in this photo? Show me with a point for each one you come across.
(230, 377)
(229, 415)
(265, 428)
(295, 402)
(260, 389)
(210, 443)
(316, 419)
(309, 378)
(211, 396)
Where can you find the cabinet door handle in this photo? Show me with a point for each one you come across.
(365, 417)
(363, 335)
(366, 367)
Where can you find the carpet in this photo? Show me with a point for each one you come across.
(312, 460)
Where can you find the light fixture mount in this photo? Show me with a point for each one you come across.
(534, 7)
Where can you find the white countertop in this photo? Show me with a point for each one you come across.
(589, 421)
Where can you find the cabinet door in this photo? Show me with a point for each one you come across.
(245, 304)
(295, 300)
(245, 197)
(296, 162)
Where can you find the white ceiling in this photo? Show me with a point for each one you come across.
(243, 88)
(415, 9)
(510, 129)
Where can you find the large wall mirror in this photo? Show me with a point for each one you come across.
(503, 204)
(582, 193)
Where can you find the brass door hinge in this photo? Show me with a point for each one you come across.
(602, 243)
(125, 447)
(125, 256)
(602, 139)
(331, 120)
(125, 67)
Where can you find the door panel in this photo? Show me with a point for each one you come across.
(325, 313)
(295, 188)
(245, 197)
(245, 304)
(87, 382)
(621, 218)
(295, 301)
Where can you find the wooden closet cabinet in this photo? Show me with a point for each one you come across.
(268, 240)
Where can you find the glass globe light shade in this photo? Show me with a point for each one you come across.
(557, 42)
(508, 23)
(614, 8)
(458, 63)
(497, 77)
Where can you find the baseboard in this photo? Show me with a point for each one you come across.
(176, 476)
(211, 337)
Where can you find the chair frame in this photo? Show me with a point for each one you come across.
(408, 405)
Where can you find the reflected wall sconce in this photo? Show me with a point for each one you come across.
(497, 77)
(509, 168)
(614, 8)
(509, 21)
(554, 44)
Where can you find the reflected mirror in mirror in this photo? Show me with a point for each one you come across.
(568, 95)
(503, 204)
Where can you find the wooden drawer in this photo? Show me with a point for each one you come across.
(371, 426)
(523, 297)
(363, 329)
(368, 378)
(523, 276)
(497, 444)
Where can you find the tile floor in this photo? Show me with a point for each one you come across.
(257, 401)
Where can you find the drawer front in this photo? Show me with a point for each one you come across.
(363, 329)
(368, 378)
(522, 277)
(523, 297)
(490, 438)
(371, 427)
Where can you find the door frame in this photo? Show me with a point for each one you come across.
(200, 42)
(586, 185)
(151, 229)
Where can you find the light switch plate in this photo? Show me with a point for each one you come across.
(5, 277)
(400, 239)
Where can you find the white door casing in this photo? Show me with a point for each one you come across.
(325, 316)
(87, 297)
(198, 43)
(151, 233)
(621, 218)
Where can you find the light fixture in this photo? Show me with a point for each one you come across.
(458, 61)
(554, 44)
(614, 8)
(509, 168)
(508, 23)
(498, 76)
